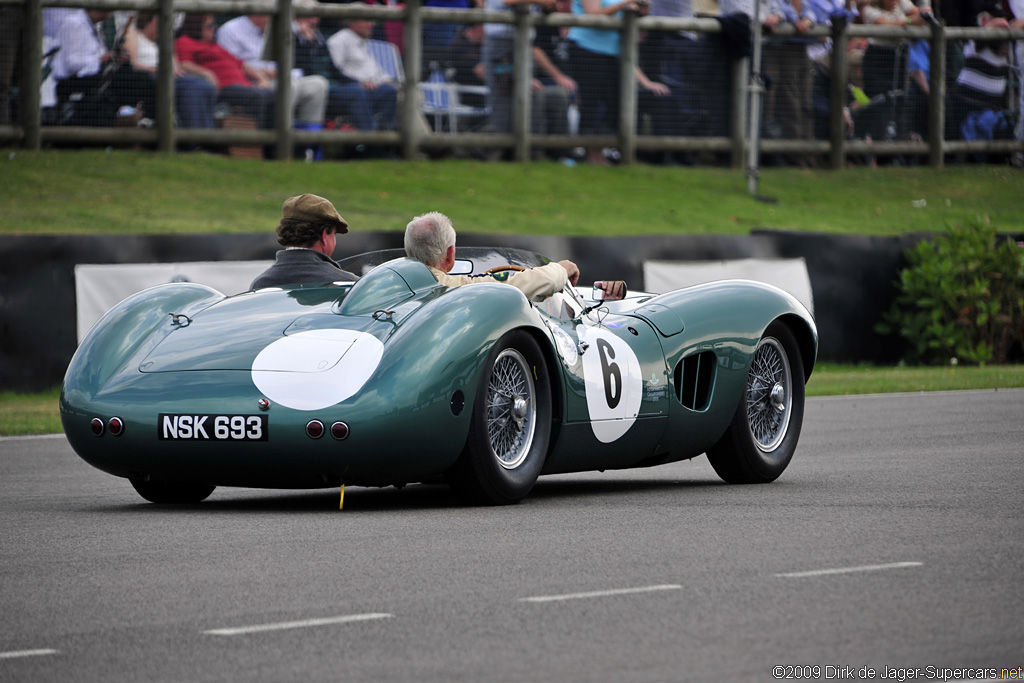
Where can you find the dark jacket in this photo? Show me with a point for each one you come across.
(298, 266)
(313, 57)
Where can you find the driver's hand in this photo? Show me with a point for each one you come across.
(613, 289)
(572, 269)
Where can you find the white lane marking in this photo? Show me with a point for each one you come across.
(601, 594)
(27, 653)
(32, 437)
(306, 623)
(849, 570)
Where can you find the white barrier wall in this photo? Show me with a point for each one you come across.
(789, 275)
(98, 288)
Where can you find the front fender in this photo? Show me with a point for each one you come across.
(734, 314)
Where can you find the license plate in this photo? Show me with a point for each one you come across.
(190, 427)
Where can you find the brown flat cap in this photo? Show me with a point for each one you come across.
(309, 207)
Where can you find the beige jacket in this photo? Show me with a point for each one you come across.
(535, 283)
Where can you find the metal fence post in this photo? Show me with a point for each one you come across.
(31, 98)
(627, 94)
(837, 93)
(165, 78)
(937, 95)
(522, 76)
(738, 116)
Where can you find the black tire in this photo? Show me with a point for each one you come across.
(172, 493)
(761, 439)
(510, 425)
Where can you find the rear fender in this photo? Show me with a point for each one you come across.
(126, 334)
(433, 361)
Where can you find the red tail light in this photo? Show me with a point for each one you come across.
(339, 430)
(314, 429)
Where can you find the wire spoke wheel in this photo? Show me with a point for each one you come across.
(510, 425)
(769, 395)
(511, 409)
(765, 428)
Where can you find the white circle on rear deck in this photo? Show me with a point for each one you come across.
(317, 368)
(612, 380)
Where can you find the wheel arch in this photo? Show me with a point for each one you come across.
(547, 349)
(129, 331)
(806, 337)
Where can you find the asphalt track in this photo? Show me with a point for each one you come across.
(895, 541)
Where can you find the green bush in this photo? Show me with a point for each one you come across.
(961, 299)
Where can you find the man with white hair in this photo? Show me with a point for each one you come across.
(430, 238)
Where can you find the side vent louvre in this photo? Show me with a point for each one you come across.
(694, 377)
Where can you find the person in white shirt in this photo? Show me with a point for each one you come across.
(430, 239)
(93, 81)
(351, 56)
(244, 38)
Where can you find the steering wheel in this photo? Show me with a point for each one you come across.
(502, 269)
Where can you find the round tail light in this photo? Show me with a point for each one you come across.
(116, 426)
(314, 429)
(339, 430)
(97, 427)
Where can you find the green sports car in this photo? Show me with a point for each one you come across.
(395, 379)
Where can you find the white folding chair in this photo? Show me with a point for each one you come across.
(442, 102)
(388, 59)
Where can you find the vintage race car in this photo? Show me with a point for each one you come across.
(395, 379)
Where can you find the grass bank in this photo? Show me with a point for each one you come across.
(131, 192)
(123, 192)
(22, 414)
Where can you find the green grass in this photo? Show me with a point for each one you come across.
(129, 192)
(38, 413)
(829, 379)
(124, 192)
(29, 413)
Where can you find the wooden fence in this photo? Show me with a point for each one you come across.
(412, 136)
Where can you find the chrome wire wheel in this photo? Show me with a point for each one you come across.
(510, 424)
(511, 413)
(769, 395)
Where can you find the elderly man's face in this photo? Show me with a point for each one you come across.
(259, 21)
(362, 28)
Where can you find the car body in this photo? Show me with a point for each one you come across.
(395, 379)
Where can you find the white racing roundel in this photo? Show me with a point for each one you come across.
(613, 382)
(316, 369)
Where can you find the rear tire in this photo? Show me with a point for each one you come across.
(510, 425)
(172, 493)
(761, 439)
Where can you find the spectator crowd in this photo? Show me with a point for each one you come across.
(102, 70)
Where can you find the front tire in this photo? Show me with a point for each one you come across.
(510, 425)
(172, 493)
(761, 439)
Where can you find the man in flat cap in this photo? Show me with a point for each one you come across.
(308, 232)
